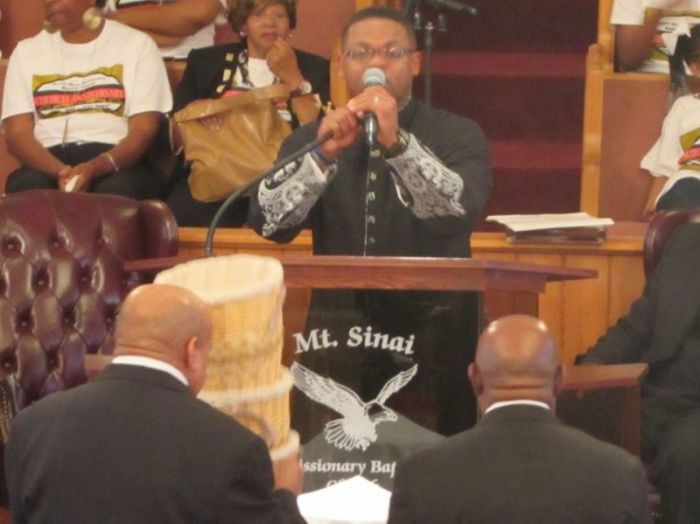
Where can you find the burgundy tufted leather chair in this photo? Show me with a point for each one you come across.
(61, 280)
(661, 228)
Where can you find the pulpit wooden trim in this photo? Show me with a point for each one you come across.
(596, 377)
(346, 272)
(626, 377)
(563, 306)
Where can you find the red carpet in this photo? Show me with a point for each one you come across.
(517, 68)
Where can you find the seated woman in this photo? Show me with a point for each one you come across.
(674, 160)
(262, 58)
(82, 103)
(177, 26)
(646, 31)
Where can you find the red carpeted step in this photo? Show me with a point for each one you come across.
(512, 65)
(535, 154)
(518, 191)
(518, 70)
(534, 177)
(525, 25)
(512, 95)
(533, 108)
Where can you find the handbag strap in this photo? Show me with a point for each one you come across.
(228, 74)
(243, 68)
(213, 106)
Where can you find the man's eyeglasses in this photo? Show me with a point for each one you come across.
(365, 54)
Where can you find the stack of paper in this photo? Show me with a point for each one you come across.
(352, 501)
(561, 227)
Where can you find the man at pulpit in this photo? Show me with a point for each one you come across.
(414, 188)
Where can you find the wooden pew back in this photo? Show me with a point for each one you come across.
(623, 114)
(634, 107)
(8, 163)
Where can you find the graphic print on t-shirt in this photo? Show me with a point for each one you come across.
(690, 142)
(98, 91)
(672, 24)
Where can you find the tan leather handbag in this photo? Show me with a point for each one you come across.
(246, 145)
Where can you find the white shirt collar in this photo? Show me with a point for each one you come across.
(503, 404)
(151, 363)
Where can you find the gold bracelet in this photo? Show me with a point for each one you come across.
(111, 161)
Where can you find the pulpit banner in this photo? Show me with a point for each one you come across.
(379, 375)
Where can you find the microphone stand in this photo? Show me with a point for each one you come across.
(428, 42)
(413, 10)
(281, 164)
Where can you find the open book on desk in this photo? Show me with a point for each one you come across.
(556, 228)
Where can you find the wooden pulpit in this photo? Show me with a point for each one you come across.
(602, 400)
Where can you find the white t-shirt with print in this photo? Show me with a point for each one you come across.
(260, 75)
(673, 23)
(85, 92)
(676, 154)
(202, 38)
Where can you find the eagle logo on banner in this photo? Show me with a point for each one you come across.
(357, 428)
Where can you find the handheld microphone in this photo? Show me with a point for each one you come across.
(372, 77)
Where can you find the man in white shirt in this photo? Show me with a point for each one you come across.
(177, 26)
(519, 463)
(135, 445)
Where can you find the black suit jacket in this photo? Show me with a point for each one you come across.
(654, 331)
(659, 321)
(135, 446)
(520, 464)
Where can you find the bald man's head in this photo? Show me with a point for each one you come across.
(168, 323)
(516, 358)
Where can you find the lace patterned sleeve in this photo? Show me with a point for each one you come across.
(287, 196)
(426, 185)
